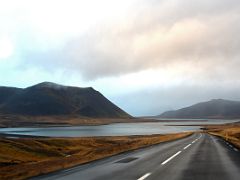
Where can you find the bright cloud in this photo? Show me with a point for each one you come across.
(6, 48)
(146, 36)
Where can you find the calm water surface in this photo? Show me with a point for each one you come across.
(119, 129)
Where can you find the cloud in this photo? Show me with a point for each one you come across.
(6, 48)
(155, 101)
(155, 34)
(125, 48)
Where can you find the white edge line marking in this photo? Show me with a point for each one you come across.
(144, 177)
(173, 156)
(187, 146)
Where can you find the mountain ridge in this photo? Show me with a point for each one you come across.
(49, 98)
(213, 109)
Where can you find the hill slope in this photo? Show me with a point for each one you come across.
(216, 108)
(47, 98)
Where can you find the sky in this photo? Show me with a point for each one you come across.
(146, 56)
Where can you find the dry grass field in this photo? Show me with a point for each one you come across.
(27, 157)
(230, 132)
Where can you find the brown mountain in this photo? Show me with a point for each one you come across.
(216, 108)
(48, 98)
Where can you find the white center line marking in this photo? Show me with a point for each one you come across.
(144, 177)
(231, 146)
(173, 156)
(187, 146)
(235, 149)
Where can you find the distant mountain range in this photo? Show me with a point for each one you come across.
(46, 99)
(214, 109)
(50, 99)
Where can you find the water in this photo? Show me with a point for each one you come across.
(198, 121)
(119, 129)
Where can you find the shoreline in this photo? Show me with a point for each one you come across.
(10, 121)
(24, 156)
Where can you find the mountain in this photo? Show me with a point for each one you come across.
(216, 108)
(7, 92)
(48, 98)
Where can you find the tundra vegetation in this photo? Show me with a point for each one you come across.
(26, 157)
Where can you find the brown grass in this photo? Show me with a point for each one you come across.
(229, 132)
(23, 158)
(68, 120)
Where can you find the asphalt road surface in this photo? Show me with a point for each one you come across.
(197, 157)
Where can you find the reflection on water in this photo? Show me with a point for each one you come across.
(119, 129)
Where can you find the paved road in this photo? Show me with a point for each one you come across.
(197, 157)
